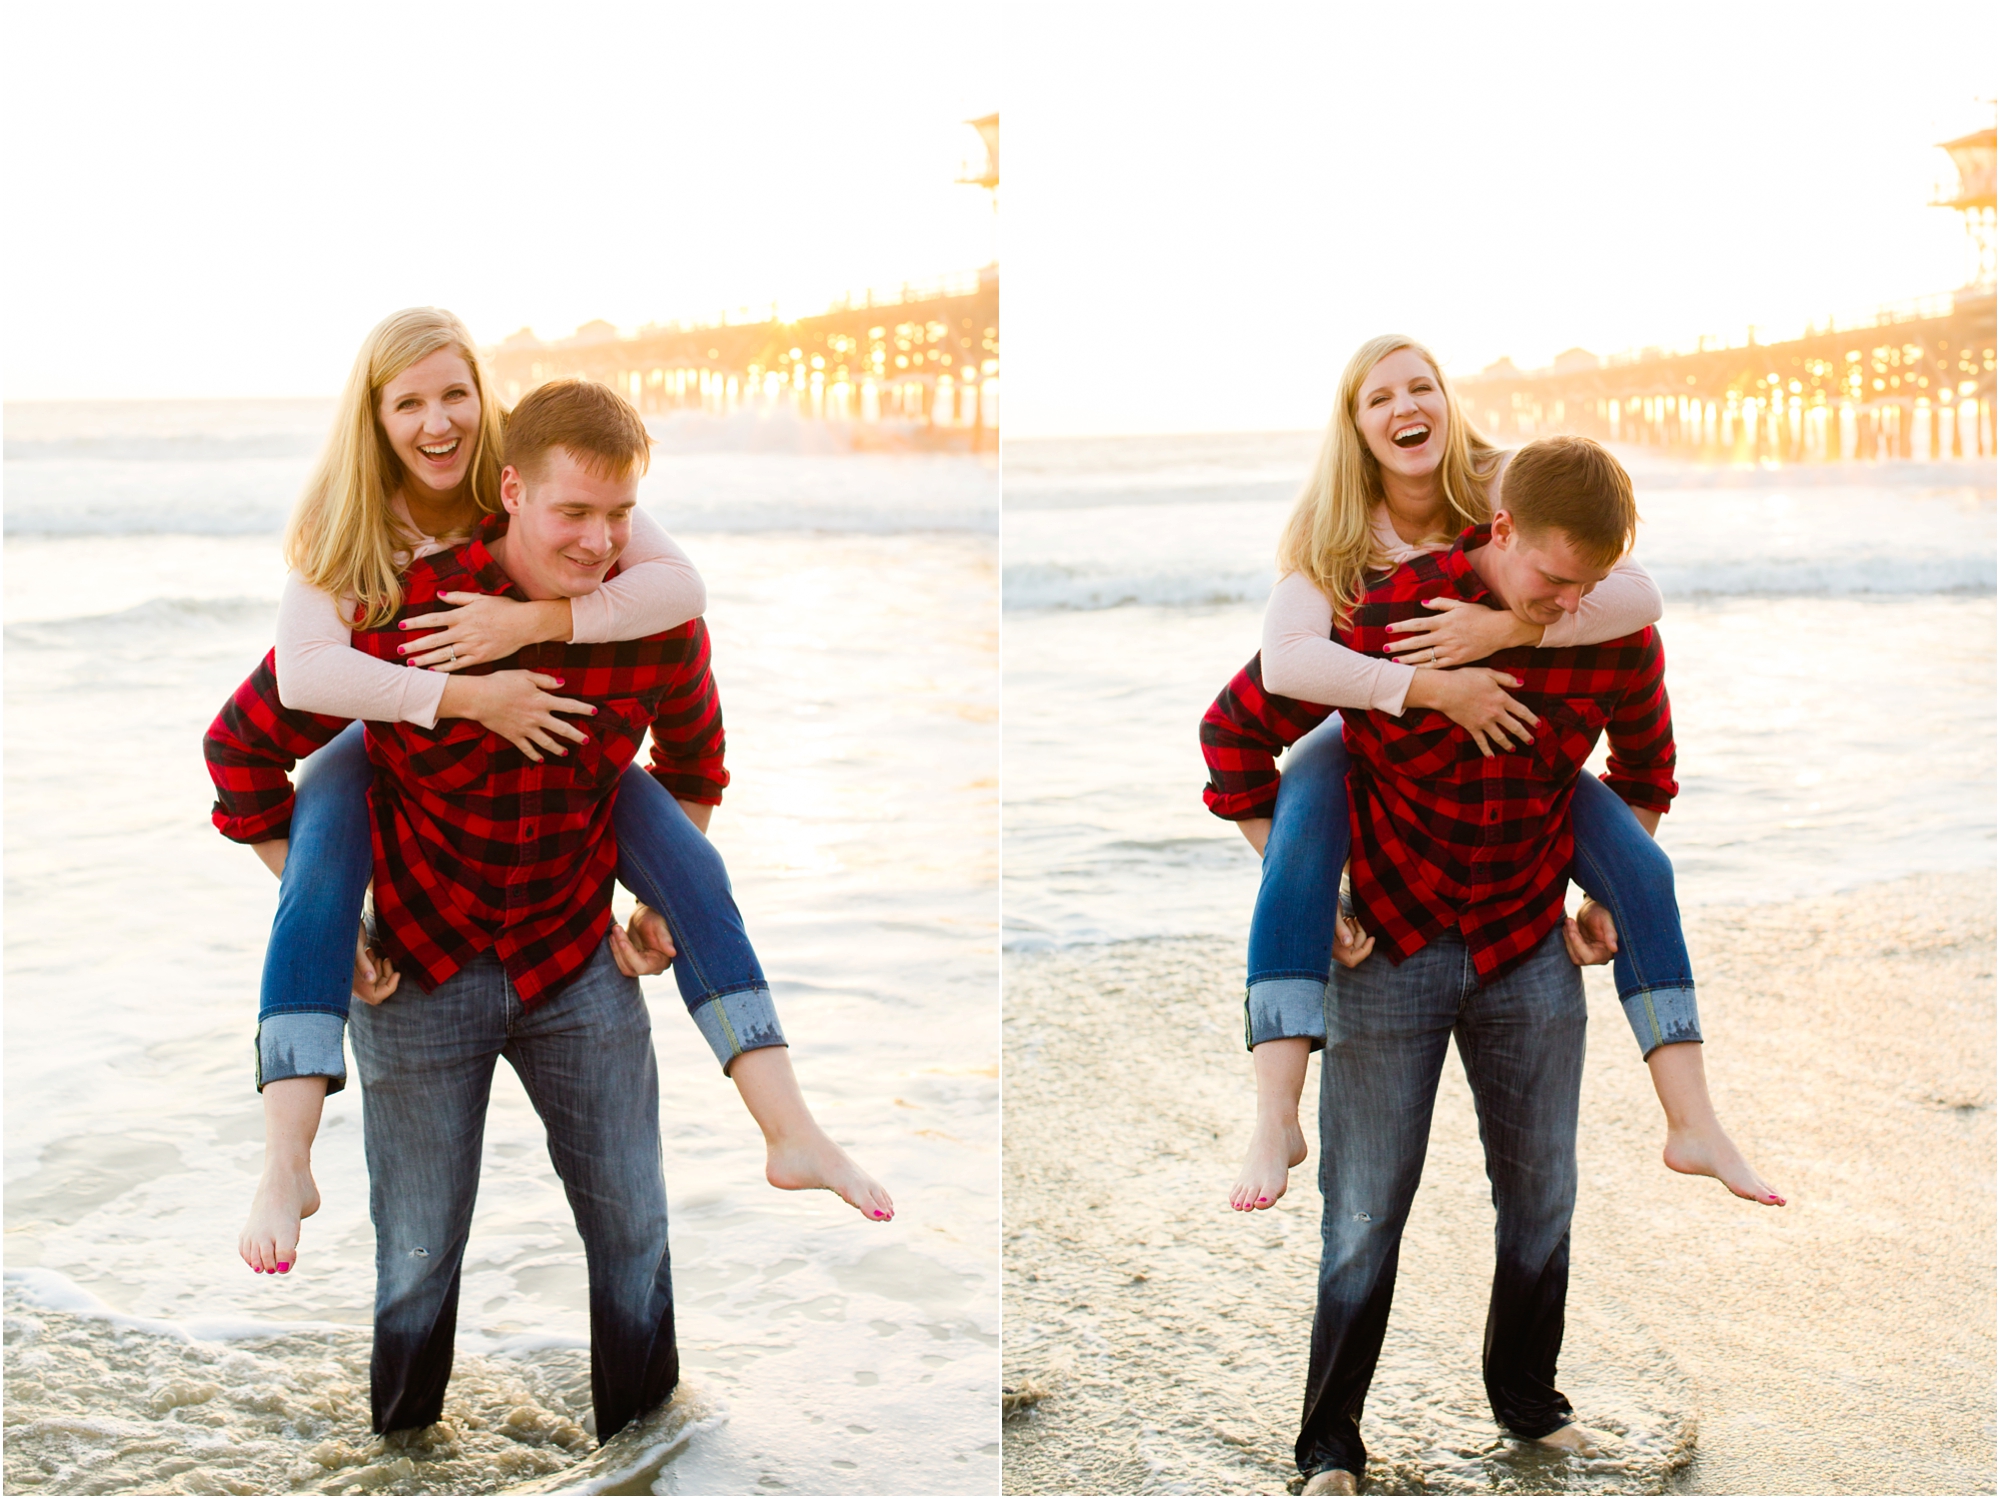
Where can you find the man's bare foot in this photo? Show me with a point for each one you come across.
(270, 1240)
(809, 1159)
(1704, 1150)
(1580, 1440)
(1332, 1481)
(1275, 1147)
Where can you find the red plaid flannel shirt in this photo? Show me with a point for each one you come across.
(1444, 837)
(476, 846)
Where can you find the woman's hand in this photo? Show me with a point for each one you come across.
(1471, 697)
(484, 627)
(1461, 631)
(517, 706)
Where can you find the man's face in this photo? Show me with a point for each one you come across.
(568, 527)
(1539, 575)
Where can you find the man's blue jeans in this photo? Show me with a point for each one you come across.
(1520, 1038)
(309, 964)
(585, 1057)
(1291, 931)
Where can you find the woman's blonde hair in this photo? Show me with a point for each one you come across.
(342, 535)
(1330, 537)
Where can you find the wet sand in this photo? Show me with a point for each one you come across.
(1842, 1344)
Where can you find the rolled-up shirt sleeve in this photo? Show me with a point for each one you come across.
(1640, 734)
(251, 748)
(688, 745)
(1242, 734)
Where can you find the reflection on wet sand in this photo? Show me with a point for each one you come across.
(1156, 1341)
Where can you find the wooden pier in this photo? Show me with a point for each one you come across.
(923, 358)
(1909, 382)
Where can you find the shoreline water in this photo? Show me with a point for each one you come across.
(1842, 1344)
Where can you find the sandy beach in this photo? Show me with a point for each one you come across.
(1842, 1344)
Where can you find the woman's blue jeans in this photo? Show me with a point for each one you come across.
(1618, 864)
(663, 859)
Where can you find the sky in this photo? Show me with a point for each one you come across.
(221, 199)
(1208, 210)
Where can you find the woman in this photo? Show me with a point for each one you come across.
(412, 465)
(1401, 471)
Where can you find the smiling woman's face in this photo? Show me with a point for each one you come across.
(1401, 413)
(430, 414)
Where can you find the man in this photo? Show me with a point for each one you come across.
(1459, 868)
(493, 878)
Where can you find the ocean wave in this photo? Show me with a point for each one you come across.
(175, 447)
(1043, 585)
(1049, 585)
(1757, 577)
(147, 621)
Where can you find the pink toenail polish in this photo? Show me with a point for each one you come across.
(284, 1264)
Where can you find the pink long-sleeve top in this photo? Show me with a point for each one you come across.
(1301, 660)
(657, 588)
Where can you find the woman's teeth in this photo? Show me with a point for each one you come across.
(441, 450)
(1411, 437)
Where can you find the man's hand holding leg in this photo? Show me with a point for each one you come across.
(644, 945)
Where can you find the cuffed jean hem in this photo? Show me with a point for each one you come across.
(1660, 1017)
(735, 1023)
(302, 1043)
(1278, 1009)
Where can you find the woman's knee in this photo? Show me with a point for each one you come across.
(1610, 839)
(1321, 756)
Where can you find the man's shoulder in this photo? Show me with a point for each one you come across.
(639, 664)
(1606, 666)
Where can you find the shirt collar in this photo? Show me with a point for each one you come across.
(477, 560)
(1457, 566)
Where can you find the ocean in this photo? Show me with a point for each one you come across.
(852, 606)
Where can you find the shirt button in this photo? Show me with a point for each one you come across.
(528, 829)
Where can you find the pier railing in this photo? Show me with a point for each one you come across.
(921, 357)
(1915, 380)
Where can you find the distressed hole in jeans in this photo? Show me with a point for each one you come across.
(1358, 1218)
(421, 1253)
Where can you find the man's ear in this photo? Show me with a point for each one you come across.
(513, 489)
(1503, 528)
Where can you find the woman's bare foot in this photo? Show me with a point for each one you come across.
(1580, 1440)
(1276, 1145)
(806, 1159)
(270, 1240)
(1705, 1150)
